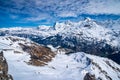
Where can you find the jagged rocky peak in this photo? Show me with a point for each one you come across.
(68, 22)
(59, 26)
(87, 19)
(43, 28)
(88, 22)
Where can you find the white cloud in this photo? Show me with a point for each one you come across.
(103, 7)
(39, 17)
(78, 6)
(67, 14)
(13, 16)
(61, 8)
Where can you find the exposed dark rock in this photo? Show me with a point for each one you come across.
(103, 71)
(89, 76)
(113, 67)
(40, 55)
(115, 57)
(4, 68)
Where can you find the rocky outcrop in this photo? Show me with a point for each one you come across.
(4, 68)
(40, 55)
(89, 76)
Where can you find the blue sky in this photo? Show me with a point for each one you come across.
(27, 13)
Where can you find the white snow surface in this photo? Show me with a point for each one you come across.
(62, 67)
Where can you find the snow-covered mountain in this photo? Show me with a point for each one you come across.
(19, 53)
(87, 36)
(87, 29)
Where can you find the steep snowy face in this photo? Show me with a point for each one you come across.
(43, 28)
(87, 29)
(104, 69)
(59, 26)
(88, 23)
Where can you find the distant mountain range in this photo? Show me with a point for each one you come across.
(87, 36)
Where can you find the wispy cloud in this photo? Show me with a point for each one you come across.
(103, 7)
(39, 17)
(13, 16)
(67, 14)
(37, 10)
(33, 7)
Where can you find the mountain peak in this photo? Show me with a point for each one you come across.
(88, 22)
(87, 19)
(43, 27)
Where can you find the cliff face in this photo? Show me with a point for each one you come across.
(4, 68)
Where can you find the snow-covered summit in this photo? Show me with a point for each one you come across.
(43, 28)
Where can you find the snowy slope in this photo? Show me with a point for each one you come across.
(74, 66)
(104, 68)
